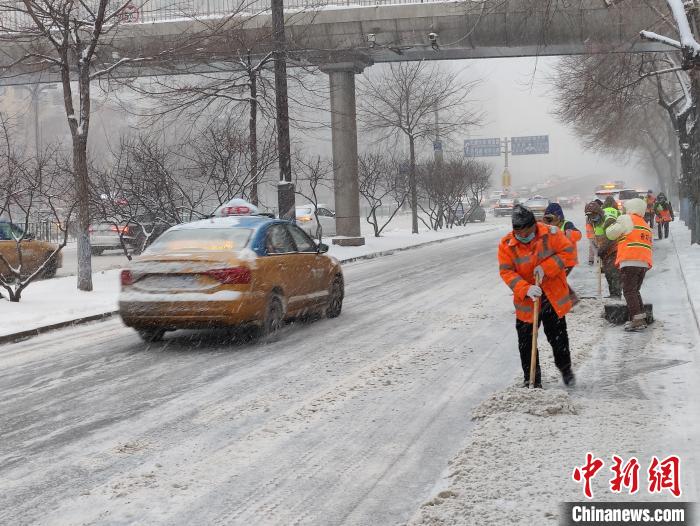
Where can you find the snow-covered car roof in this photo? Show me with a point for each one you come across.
(222, 222)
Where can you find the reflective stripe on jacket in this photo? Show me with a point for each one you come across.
(550, 249)
(637, 245)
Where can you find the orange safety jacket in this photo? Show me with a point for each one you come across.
(550, 249)
(636, 246)
(650, 204)
(573, 234)
(590, 233)
(663, 216)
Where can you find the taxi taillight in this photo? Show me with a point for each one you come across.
(126, 278)
(304, 219)
(231, 276)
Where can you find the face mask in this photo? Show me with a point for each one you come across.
(525, 239)
(595, 219)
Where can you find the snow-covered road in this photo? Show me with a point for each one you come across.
(346, 421)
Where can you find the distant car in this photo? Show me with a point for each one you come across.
(537, 205)
(34, 252)
(230, 271)
(565, 202)
(469, 212)
(504, 207)
(627, 194)
(106, 236)
(306, 219)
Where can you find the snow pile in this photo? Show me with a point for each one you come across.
(632, 399)
(537, 402)
(57, 300)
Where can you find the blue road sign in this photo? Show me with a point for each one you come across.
(437, 146)
(530, 145)
(482, 147)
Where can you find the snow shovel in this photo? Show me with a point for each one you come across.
(600, 279)
(535, 330)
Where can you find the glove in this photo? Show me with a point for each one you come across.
(539, 273)
(534, 292)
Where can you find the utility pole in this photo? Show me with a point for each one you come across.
(506, 178)
(285, 188)
(437, 145)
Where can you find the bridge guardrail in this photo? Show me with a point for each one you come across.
(140, 12)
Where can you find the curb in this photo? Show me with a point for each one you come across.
(693, 307)
(25, 335)
(391, 251)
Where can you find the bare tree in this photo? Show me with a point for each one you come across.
(616, 111)
(402, 100)
(30, 186)
(685, 24)
(74, 40)
(222, 157)
(312, 174)
(147, 189)
(444, 184)
(381, 184)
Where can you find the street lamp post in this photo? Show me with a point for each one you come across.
(35, 91)
(285, 188)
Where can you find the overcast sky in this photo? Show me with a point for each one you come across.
(516, 98)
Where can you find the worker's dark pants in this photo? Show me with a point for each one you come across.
(663, 224)
(632, 279)
(612, 275)
(649, 218)
(591, 252)
(557, 336)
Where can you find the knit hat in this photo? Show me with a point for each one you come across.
(522, 217)
(594, 208)
(635, 206)
(554, 209)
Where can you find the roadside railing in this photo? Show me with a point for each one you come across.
(149, 11)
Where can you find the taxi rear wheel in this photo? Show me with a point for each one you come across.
(151, 335)
(274, 317)
(335, 299)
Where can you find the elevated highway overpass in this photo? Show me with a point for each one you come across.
(344, 37)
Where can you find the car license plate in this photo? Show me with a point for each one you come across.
(170, 282)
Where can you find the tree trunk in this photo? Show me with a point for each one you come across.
(412, 184)
(82, 185)
(253, 135)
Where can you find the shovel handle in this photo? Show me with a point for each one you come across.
(535, 330)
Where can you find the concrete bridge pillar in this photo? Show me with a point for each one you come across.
(344, 137)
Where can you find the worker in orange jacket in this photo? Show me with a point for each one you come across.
(534, 251)
(554, 215)
(634, 258)
(664, 214)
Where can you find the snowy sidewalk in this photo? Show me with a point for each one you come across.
(57, 301)
(636, 397)
(689, 257)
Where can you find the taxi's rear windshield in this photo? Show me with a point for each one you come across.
(201, 240)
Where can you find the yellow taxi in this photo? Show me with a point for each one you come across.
(35, 253)
(229, 271)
